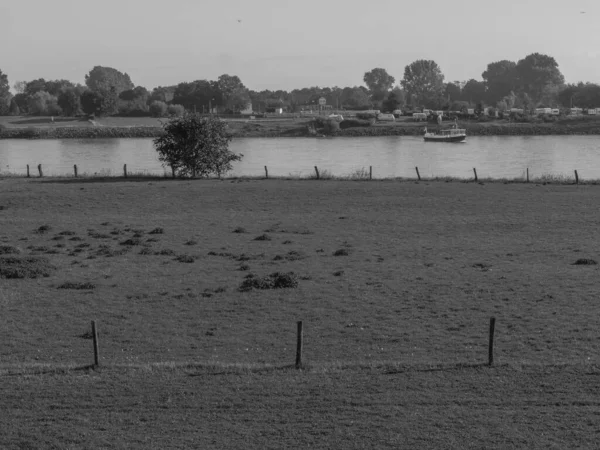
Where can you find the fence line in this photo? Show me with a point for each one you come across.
(326, 174)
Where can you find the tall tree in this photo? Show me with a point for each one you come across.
(19, 86)
(355, 98)
(536, 72)
(500, 79)
(197, 94)
(451, 92)
(69, 101)
(379, 83)
(424, 79)
(5, 95)
(104, 78)
(35, 86)
(55, 87)
(473, 92)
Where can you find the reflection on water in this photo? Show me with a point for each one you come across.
(498, 156)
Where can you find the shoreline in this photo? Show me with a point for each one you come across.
(299, 129)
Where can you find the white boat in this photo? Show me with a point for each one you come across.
(449, 135)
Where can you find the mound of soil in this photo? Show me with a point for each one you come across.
(25, 267)
(276, 280)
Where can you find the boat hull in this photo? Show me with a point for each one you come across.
(458, 138)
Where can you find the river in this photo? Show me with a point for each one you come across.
(497, 157)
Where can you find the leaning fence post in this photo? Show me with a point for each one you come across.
(95, 338)
(317, 172)
(75, 170)
(266, 173)
(27, 170)
(40, 170)
(475, 172)
(370, 172)
(299, 346)
(491, 341)
(528, 174)
(418, 174)
(576, 177)
(125, 170)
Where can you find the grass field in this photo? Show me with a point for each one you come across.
(396, 285)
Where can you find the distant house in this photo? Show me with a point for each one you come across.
(593, 111)
(576, 111)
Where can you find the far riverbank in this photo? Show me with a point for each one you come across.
(116, 127)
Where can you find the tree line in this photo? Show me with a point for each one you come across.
(534, 81)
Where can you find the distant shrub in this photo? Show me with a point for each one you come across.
(366, 115)
(158, 109)
(353, 123)
(332, 126)
(176, 110)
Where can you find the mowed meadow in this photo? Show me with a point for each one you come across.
(196, 288)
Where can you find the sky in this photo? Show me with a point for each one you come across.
(289, 44)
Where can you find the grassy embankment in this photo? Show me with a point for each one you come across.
(44, 128)
(396, 284)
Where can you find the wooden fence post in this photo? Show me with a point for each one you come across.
(75, 170)
(491, 341)
(475, 172)
(299, 346)
(266, 173)
(317, 172)
(528, 174)
(27, 170)
(95, 338)
(370, 172)
(576, 177)
(418, 174)
(125, 170)
(40, 170)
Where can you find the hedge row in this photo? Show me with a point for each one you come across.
(79, 132)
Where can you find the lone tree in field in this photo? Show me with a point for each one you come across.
(196, 146)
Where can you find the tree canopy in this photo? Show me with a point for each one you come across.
(536, 72)
(500, 79)
(379, 83)
(102, 79)
(424, 80)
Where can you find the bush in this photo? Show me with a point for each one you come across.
(158, 109)
(353, 123)
(176, 110)
(332, 126)
(193, 145)
(366, 115)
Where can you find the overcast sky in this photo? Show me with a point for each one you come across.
(287, 44)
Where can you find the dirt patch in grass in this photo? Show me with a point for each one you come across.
(191, 242)
(105, 250)
(186, 259)
(43, 229)
(276, 280)
(67, 233)
(240, 230)
(25, 267)
(341, 252)
(132, 242)
(77, 285)
(262, 237)
(96, 235)
(9, 250)
(157, 230)
(585, 262)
